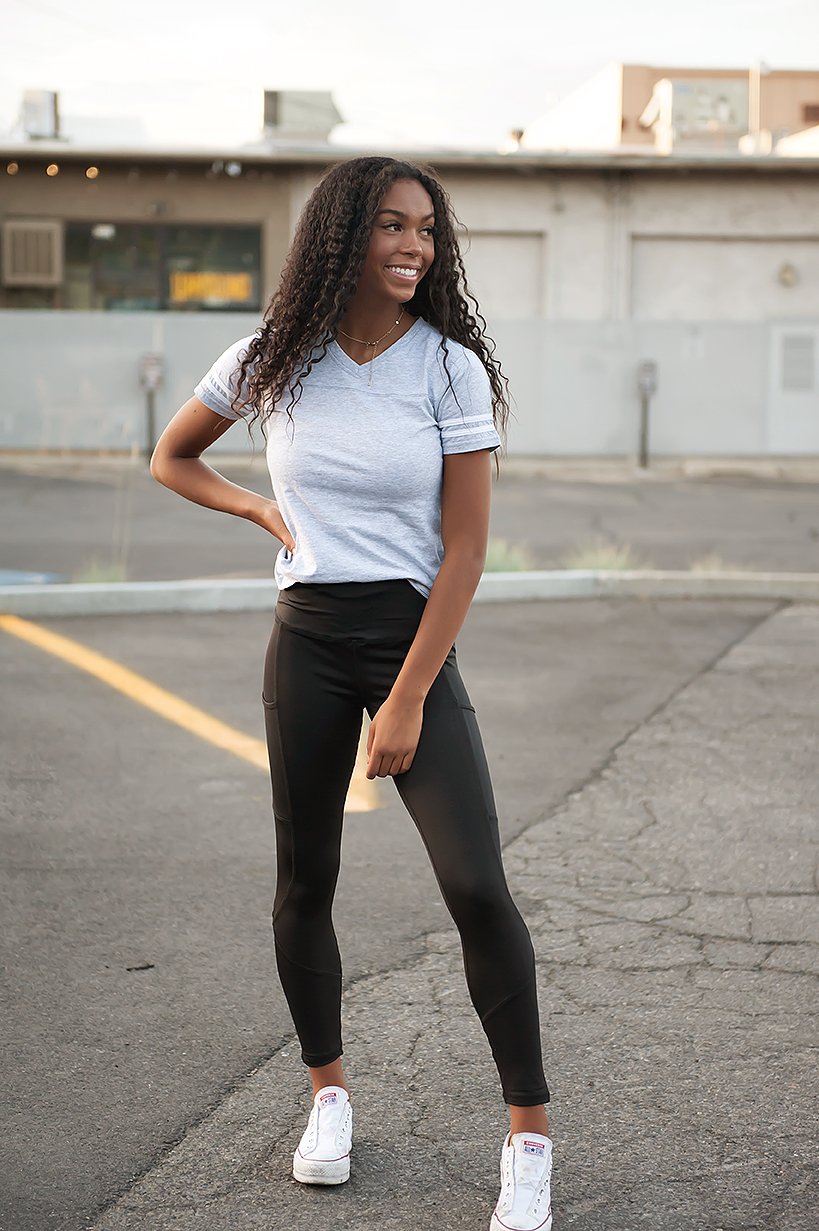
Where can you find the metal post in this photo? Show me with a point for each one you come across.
(643, 458)
(150, 378)
(647, 384)
(150, 423)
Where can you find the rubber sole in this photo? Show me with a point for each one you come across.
(496, 1225)
(307, 1172)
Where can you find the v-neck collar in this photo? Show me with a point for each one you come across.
(363, 369)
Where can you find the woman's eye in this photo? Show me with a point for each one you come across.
(429, 230)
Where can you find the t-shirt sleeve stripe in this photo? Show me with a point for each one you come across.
(468, 426)
(218, 386)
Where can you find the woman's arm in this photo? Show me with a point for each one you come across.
(176, 463)
(465, 506)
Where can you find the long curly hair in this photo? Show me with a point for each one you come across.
(320, 276)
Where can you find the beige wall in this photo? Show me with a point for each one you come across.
(783, 97)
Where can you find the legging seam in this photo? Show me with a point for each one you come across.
(336, 974)
(497, 851)
(506, 999)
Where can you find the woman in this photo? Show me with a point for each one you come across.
(377, 397)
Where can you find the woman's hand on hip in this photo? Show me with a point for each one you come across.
(266, 514)
(393, 737)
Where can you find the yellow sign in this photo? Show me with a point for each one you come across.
(219, 287)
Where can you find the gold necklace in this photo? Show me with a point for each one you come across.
(373, 344)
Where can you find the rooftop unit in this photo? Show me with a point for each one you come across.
(299, 115)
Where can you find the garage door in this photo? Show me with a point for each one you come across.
(679, 278)
(506, 272)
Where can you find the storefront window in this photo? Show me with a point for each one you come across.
(133, 266)
(212, 267)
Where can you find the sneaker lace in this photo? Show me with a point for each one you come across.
(530, 1174)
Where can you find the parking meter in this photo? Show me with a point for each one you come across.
(150, 371)
(647, 377)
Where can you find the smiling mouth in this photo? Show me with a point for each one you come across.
(407, 273)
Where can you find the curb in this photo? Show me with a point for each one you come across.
(259, 594)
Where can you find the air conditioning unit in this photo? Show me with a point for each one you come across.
(32, 252)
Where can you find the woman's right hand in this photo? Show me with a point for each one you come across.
(269, 517)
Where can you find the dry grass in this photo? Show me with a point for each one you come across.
(713, 563)
(598, 554)
(100, 570)
(505, 557)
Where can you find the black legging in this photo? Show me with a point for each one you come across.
(334, 649)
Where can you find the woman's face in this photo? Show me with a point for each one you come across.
(402, 246)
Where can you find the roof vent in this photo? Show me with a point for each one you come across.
(299, 115)
(40, 115)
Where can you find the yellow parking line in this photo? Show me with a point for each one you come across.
(362, 796)
(140, 689)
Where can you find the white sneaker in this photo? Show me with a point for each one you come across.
(525, 1202)
(323, 1154)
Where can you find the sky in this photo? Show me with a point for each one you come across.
(411, 72)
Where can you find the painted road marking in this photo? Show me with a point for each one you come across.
(361, 797)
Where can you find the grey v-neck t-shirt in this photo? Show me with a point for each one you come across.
(357, 472)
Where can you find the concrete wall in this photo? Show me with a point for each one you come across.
(72, 378)
(573, 383)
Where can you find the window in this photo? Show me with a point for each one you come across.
(212, 267)
(111, 267)
(141, 267)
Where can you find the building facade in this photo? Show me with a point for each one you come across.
(640, 106)
(584, 266)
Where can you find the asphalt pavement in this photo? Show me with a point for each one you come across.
(654, 764)
(80, 520)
